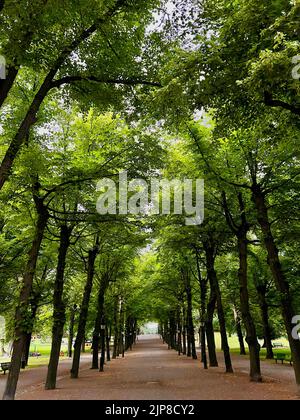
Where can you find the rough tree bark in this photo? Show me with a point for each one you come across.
(203, 292)
(209, 247)
(80, 337)
(71, 331)
(97, 325)
(241, 232)
(264, 308)
(190, 323)
(210, 334)
(59, 308)
(239, 332)
(282, 285)
(23, 306)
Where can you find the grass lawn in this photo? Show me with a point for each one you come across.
(235, 349)
(44, 349)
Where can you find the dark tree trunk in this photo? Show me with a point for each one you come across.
(184, 349)
(59, 308)
(214, 284)
(23, 130)
(210, 334)
(22, 308)
(34, 308)
(264, 308)
(80, 338)
(116, 331)
(190, 323)
(280, 280)
(239, 332)
(241, 234)
(71, 331)
(121, 344)
(251, 339)
(179, 325)
(97, 326)
(203, 346)
(102, 341)
(172, 331)
(203, 319)
(108, 336)
(6, 84)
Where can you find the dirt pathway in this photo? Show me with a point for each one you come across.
(152, 372)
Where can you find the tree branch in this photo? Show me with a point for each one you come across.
(73, 79)
(275, 103)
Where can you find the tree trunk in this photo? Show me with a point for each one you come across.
(203, 346)
(22, 308)
(190, 323)
(241, 235)
(59, 309)
(71, 331)
(210, 334)
(108, 336)
(116, 331)
(80, 338)
(214, 284)
(184, 349)
(281, 283)
(97, 326)
(6, 84)
(121, 349)
(251, 339)
(239, 332)
(264, 308)
(102, 340)
(23, 130)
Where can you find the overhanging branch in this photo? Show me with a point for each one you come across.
(275, 103)
(129, 82)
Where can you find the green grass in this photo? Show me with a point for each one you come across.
(44, 349)
(235, 347)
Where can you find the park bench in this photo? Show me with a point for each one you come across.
(5, 366)
(283, 358)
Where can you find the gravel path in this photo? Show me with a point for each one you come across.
(152, 372)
